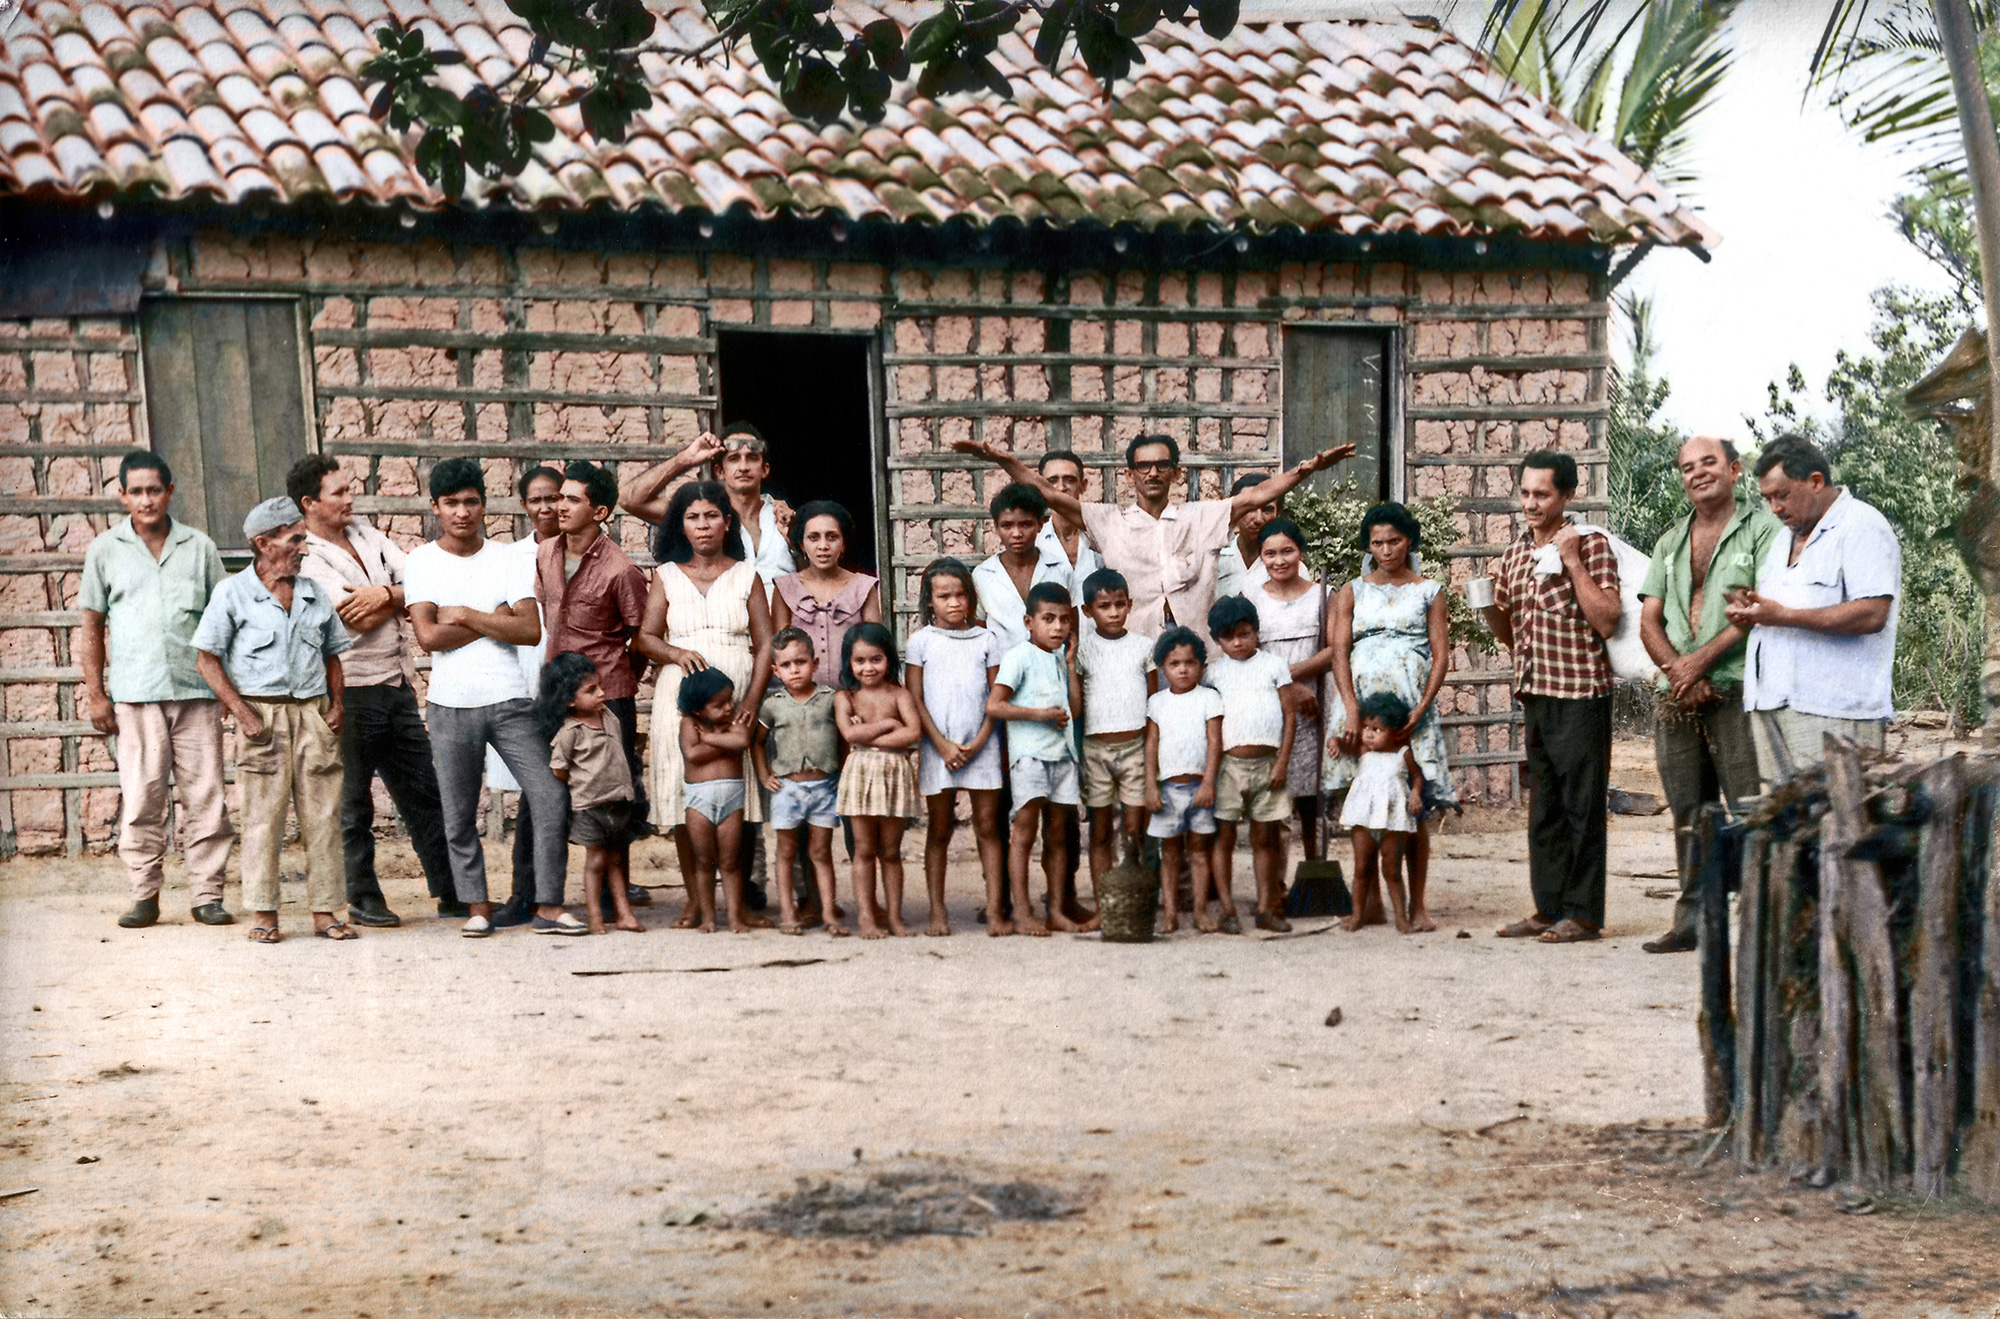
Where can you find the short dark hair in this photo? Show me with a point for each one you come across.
(1230, 613)
(786, 636)
(872, 634)
(1019, 497)
(139, 460)
(945, 567)
(534, 474)
(822, 508)
(1247, 481)
(1390, 708)
(599, 486)
(1560, 467)
(1059, 456)
(1147, 441)
(1392, 515)
(303, 481)
(1173, 639)
(744, 428)
(699, 688)
(670, 542)
(1799, 456)
(1048, 593)
(456, 474)
(1287, 528)
(1104, 579)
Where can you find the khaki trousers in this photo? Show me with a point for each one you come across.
(1788, 741)
(298, 763)
(184, 737)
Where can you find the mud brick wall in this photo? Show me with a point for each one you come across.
(422, 350)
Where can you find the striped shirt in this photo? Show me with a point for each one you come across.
(1556, 651)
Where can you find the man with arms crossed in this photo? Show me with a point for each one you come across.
(1823, 616)
(1701, 734)
(1165, 551)
(1555, 601)
(382, 732)
(148, 578)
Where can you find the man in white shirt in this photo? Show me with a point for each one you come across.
(1823, 616)
(1165, 551)
(383, 732)
(472, 601)
(742, 461)
(1240, 566)
(1063, 470)
(1003, 580)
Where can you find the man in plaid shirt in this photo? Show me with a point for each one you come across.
(1555, 601)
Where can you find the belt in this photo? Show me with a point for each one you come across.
(286, 700)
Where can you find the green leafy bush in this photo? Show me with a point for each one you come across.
(1331, 520)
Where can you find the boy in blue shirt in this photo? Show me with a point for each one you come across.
(1031, 693)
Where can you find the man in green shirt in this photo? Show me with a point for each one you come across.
(147, 580)
(1701, 735)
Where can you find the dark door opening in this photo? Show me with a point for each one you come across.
(811, 396)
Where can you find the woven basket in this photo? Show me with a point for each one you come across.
(1125, 900)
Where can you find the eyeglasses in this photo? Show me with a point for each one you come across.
(743, 444)
(1155, 465)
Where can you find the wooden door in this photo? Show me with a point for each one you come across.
(1336, 392)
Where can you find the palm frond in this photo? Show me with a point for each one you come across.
(1892, 84)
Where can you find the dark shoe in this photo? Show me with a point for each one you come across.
(372, 911)
(1670, 943)
(512, 913)
(212, 913)
(753, 896)
(637, 896)
(452, 909)
(146, 911)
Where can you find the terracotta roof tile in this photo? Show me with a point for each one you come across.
(1355, 127)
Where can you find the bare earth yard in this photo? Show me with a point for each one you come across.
(416, 1124)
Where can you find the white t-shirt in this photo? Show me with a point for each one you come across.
(1114, 681)
(1183, 723)
(1252, 714)
(484, 671)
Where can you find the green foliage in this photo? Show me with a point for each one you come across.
(1905, 466)
(1887, 76)
(824, 67)
(1645, 493)
(1331, 519)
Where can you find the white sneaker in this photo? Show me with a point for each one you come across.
(476, 928)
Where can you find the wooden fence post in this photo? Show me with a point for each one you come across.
(1838, 831)
(1979, 1159)
(1934, 953)
(1718, 1025)
(1752, 987)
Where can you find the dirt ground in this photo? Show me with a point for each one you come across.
(416, 1124)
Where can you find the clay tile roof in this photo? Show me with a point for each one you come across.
(1344, 126)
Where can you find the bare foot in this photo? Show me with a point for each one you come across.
(1421, 922)
(900, 930)
(597, 925)
(1169, 922)
(1374, 917)
(1031, 926)
(690, 918)
(839, 931)
(873, 931)
(707, 926)
(998, 929)
(1205, 924)
(1402, 925)
(1058, 921)
(751, 921)
(1351, 923)
(1093, 923)
(938, 928)
(631, 924)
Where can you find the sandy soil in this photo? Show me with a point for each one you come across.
(418, 1124)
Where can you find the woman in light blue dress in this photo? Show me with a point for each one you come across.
(1388, 629)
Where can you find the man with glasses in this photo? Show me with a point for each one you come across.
(1166, 551)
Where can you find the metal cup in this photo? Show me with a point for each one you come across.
(1479, 592)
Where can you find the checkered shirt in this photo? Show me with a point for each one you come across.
(1556, 652)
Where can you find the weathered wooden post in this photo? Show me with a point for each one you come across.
(1934, 954)
(1718, 1023)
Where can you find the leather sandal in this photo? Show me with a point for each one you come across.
(1569, 930)
(265, 934)
(1532, 927)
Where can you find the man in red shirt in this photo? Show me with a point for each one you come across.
(593, 599)
(1555, 601)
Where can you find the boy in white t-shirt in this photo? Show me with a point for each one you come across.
(1110, 683)
(1259, 722)
(472, 601)
(1183, 758)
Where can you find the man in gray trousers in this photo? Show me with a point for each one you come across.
(471, 602)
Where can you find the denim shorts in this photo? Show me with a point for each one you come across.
(1178, 814)
(805, 801)
(1053, 781)
(715, 800)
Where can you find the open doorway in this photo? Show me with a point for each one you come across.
(811, 395)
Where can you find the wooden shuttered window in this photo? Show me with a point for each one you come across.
(225, 400)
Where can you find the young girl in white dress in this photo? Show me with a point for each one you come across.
(1385, 801)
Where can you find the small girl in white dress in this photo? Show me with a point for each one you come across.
(1385, 801)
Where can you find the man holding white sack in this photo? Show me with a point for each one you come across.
(1556, 602)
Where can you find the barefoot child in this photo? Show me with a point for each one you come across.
(1385, 800)
(712, 747)
(949, 669)
(878, 786)
(1112, 680)
(1031, 692)
(1259, 721)
(586, 751)
(1183, 759)
(796, 754)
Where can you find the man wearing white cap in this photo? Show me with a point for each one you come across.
(269, 645)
